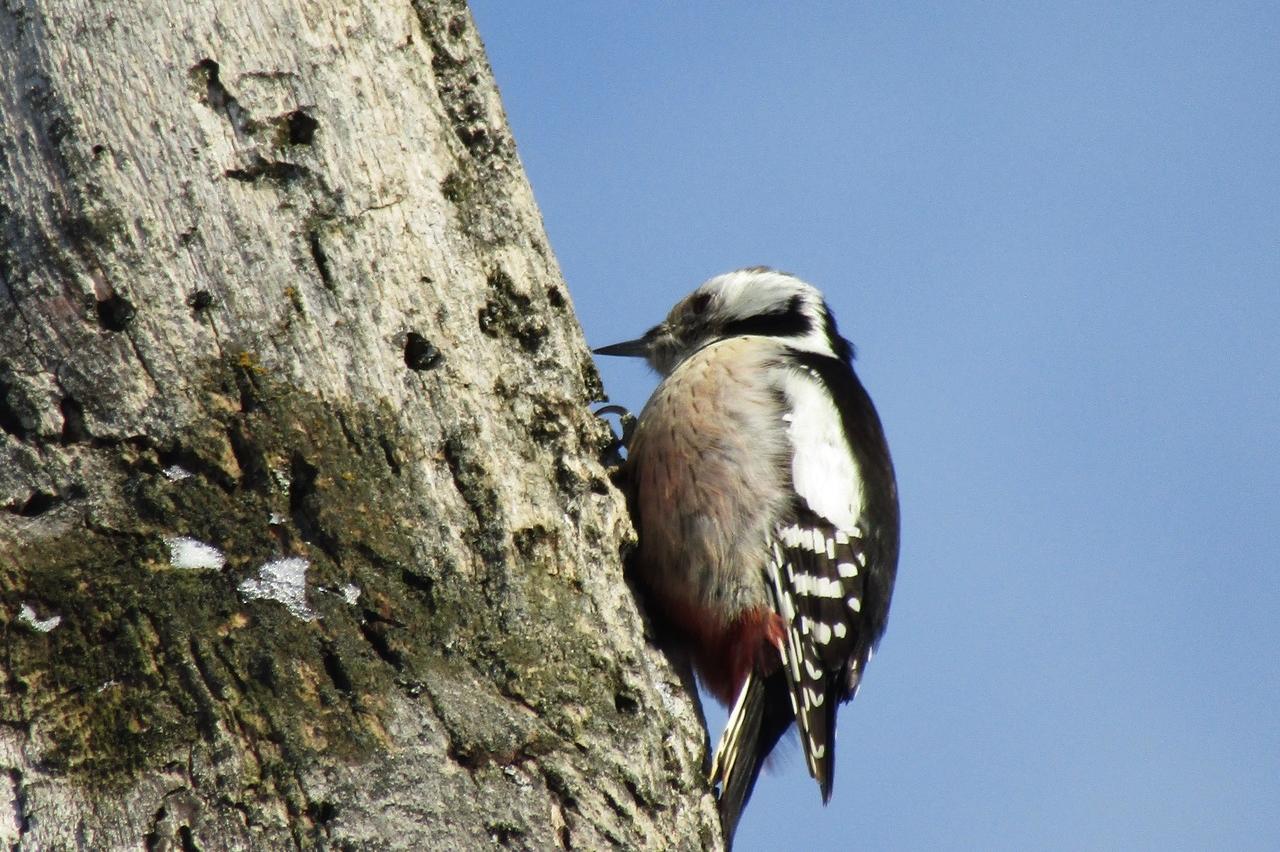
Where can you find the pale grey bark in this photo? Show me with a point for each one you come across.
(273, 286)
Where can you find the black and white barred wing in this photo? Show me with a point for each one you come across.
(818, 574)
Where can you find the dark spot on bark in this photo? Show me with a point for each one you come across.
(249, 457)
(509, 312)
(390, 454)
(375, 633)
(526, 541)
(546, 426)
(322, 813)
(453, 188)
(320, 259)
(188, 840)
(470, 478)
(37, 504)
(301, 127)
(354, 441)
(303, 500)
(246, 379)
(221, 100)
(505, 832)
(420, 354)
(57, 130)
(567, 480)
(472, 135)
(263, 670)
(11, 420)
(115, 312)
(98, 151)
(625, 702)
(276, 171)
(422, 584)
(94, 222)
(73, 429)
(336, 669)
(200, 300)
(554, 297)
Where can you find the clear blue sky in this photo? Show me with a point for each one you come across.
(1053, 232)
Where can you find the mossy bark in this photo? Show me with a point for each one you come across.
(275, 297)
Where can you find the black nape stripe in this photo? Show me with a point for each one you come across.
(843, 348)
(789, 322)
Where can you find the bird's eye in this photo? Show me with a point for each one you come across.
(700, 302)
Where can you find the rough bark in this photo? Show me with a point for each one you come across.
(276, 304)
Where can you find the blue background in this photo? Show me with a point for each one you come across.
(1053, 232)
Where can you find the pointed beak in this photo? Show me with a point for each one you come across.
(638, 348)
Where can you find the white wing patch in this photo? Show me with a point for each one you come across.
(822, 468)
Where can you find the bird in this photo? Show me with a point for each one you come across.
(766, 507)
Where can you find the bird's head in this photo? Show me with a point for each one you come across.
(753, 301)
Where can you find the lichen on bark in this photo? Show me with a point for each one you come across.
(304, 537)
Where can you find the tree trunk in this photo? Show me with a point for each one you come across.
(304, 540)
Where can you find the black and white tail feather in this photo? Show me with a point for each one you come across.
(759, 719)
(817, 579)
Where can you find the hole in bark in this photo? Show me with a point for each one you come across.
(200, 300)
(473, 136)
(419, 353)
(624, 702)
(115, 312)
(187, 840)
(73, 428)
(37, 504)
(420, 583)
(301, 127)
(322, 812)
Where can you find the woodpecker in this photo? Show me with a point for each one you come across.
(767, 510)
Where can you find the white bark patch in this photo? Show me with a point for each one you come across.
(283, 580)
(193, 554)
(176, 473)
(28, 616)
(350, 593)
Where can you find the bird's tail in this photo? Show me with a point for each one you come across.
(760, 717)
